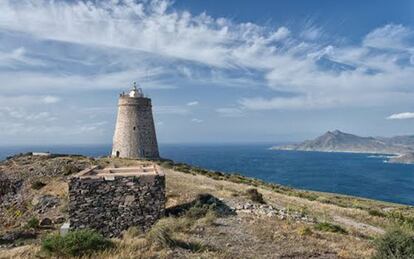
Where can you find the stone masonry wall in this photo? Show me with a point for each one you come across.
(112, 206)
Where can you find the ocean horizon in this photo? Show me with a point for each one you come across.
(355, 174)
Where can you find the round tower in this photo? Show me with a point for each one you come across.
(135, 131)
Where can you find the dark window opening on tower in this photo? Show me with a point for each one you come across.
(134, 128)
(117, 153)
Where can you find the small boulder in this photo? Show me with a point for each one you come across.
(11, 237)
(46, 222)
(45, 202)
(59, 220)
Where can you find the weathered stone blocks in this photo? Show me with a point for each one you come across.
(112, 200)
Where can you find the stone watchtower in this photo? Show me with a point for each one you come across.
(135, 131)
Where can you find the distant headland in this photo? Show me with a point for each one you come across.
(338, 141)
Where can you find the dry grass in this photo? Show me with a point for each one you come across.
(245, 235)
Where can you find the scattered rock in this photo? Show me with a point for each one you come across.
(9, 186)
(45, 202)
(11, 237)
(270, 211)
(46, 222)
(59, 220)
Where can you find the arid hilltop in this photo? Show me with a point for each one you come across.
(209, 215)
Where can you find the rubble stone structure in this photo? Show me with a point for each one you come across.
(113, 199)
(135, 135)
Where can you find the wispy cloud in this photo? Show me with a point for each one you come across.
(196, 120)
(27, 100)
(401, 116)
(299, 62)
(193, 103)
(230, 112)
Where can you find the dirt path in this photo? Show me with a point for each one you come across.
(358, 225)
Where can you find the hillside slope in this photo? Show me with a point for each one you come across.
(291, 223)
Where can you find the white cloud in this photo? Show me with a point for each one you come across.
(196, 120)
(44, 82)
(17, 57)
(50, 99)
(230, 112)
(401, 116)
(193, 103)
(27, 100)
(391, 36)
(300, 63)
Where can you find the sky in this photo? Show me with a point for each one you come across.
(233, 71)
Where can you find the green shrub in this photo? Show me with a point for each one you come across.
(69, 169)
(401, 219)
(33, 222)
(37, 185)
(376, 213)
(255, 196)
(329, 227)
(395, 243)
(167, 164)
(305, 231)
(75, 243)
(197, 212)
(308, 195)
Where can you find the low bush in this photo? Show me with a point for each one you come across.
(395, 243)
(197, 212)
(75, 243)
(255, 196)
(376, 213)
(161, 234)
(37, 185)
(305, 231)
(308, 195)
(401, 219)
(209, 218)
(167, 164)
(69, 169)
(329, 227)
(33, 222)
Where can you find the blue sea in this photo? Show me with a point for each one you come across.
(363, 175)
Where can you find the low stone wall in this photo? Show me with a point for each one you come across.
(111, 205)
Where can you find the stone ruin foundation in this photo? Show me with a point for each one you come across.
(111, 200)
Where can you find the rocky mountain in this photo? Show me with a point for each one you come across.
(338, 141)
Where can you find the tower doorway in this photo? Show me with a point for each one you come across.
(117, 153)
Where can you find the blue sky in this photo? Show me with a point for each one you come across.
(217, 71)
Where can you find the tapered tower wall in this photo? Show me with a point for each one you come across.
(135, 135)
